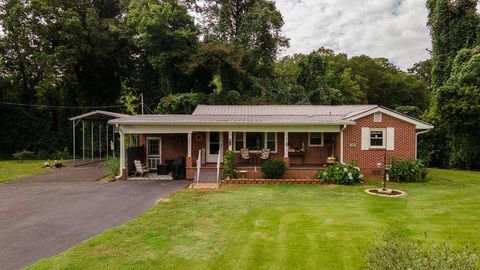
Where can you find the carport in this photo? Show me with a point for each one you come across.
(95, 132)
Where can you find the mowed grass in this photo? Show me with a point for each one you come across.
(13, 169)
(281, 226)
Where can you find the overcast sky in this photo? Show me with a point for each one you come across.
(395, 29)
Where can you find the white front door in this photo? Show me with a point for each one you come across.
(214, 146)
(154, 152)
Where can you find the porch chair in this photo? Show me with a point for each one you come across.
(139, 168)
(265, 154)
(245, 154)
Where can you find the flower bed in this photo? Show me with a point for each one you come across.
(273, 181)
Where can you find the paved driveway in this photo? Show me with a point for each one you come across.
(43, 215)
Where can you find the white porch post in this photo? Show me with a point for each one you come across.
(100, 141)
(230, 141)
(285, 145)
(189, 152)
(341, 145)
(122, 152)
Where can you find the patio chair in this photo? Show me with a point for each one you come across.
(265, 154)
(245, 154)
(139, 168)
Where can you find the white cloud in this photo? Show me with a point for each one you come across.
(395, 29)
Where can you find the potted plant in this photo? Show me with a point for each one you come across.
(331, 159)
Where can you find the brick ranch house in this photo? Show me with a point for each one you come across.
(302, 135)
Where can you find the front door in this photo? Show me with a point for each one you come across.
(214, 145)
(154, 152)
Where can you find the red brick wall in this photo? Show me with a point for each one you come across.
(404, 145)
(173, 145)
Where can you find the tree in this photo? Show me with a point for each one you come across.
(458, 106)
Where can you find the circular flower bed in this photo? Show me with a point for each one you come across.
(386, 192)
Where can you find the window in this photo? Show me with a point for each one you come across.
(377, 117)
(377, 138)
(271, 141)
(153, 147)
(239, 141)
(315, 139)
(255, 141)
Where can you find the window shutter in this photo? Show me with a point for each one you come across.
(390, 138)
(365, 138)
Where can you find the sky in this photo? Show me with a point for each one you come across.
(394, 29)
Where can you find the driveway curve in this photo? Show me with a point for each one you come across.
(46, 214)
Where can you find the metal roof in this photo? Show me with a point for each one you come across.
(282, 110)
(187, 119)
(98, 116)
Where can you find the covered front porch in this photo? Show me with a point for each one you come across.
(303, 151)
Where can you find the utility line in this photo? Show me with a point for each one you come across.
(59, 107)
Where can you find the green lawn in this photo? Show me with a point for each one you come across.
(281, 226)
(12, 169)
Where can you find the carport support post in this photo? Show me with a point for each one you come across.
(74, 159)
(106, 138)
(83, 141)
(91, 135)
(99, 141)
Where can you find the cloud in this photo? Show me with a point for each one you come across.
(395, 29)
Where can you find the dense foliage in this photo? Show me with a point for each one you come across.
(113, 166)
(229, 165)
(342, 174)
(274, 169)
(407, 170)
(396, 252)
(64, 58)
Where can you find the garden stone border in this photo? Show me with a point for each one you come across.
(402, 193)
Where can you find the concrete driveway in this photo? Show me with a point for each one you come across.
(43, 215)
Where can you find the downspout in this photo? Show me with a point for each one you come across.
(341, 142)
(416, 140)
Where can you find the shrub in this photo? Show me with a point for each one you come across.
(62, 155)
(23, 155)
(229, 164)
(273, 169)
(396, 252)
(342, 174)
(407, 170)
(113, 166)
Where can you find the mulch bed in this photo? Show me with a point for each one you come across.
(273, 181)
(392, 193)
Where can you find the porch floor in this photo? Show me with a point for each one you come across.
(151, 177)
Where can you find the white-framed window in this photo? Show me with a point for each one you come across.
(377, 137)
(377, 117)
(315, 139)
(255, 141)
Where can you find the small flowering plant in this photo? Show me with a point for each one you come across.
(342, 174)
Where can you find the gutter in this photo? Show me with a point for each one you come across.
(416, 141)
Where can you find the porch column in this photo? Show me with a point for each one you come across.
(230, 141)
(285, 155)
(123, 170)
(189, 160)
(91, 138)
(74, 154)
(341, 145)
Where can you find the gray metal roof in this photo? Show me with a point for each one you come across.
(282, 110)
(98, 115)
(187, 119)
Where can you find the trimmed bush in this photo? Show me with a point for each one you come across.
(342, 174)
(407, 170)
(273, 169)
(229, 165)
(396, 252)
(23, 155)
